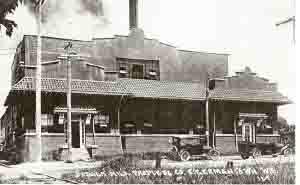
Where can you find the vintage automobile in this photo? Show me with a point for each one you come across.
(247, 149)
(186, 148)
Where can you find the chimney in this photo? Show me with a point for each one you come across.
(133, 14)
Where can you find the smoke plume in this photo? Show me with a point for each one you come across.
(95, 7)
(71, 18)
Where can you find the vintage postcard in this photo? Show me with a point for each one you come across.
(147, 91)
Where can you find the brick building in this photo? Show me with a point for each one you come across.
(130, 94)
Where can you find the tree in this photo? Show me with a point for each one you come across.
(280, 124)
(8, 7)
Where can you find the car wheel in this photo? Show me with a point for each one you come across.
(185, 155)
(214, 154)
(244, 156)
(256, 153)
(287, 152)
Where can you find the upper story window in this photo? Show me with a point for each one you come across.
(138, 68)
(137, 71)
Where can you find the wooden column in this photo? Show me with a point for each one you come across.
(80, 132)
(207, 120)
(235, 134)
(214, 128)
(254, 132)
(93, 129)
(84, 132)
(118, 113)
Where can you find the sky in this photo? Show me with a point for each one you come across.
(244, 29)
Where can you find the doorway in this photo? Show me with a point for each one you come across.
(75, 134)
(248, 133)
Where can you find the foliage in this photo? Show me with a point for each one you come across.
(8, 7)
(281, 123)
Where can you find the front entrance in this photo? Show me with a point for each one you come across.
(248, 132)
(76, 134)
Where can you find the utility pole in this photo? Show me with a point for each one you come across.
(68, 57)
(38, 74)
(69, 99)
(207, 109)
(293, 20)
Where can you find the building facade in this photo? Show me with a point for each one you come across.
(131, 94)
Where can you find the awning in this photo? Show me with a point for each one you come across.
(253, 115)
(78, 110)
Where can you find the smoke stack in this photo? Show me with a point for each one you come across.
(133, 14)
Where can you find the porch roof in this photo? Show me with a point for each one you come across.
(163, 89)
(78, 86)
(249, 95)
(141, 88)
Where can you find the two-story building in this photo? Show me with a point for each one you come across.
(131, 94)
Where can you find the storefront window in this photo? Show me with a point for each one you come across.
(264, 127)
(47, 122)
(101, 122)
(147, 129)
(58, 124)
(128, 128)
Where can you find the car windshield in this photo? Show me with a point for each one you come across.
(191, 141)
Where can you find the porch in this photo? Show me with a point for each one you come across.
(138, 118)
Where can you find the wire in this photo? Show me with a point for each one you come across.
(6, 54)
(8, 48)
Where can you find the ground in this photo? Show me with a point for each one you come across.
(44, 172)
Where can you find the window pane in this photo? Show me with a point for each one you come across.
(137, 71)
(101, 124)
(44, 119)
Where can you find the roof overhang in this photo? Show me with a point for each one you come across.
(277, 102)
(146, 89)
(249, 95)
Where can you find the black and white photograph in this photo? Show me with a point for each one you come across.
(148, 91)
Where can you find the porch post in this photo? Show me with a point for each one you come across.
(118, 119)
(207, 120)
(118, 113)
(80, 132)
(235, 134)
(254, 132)
(207, 110)
(84, 133)
(214, 129)
(119, 124)
(93, 128)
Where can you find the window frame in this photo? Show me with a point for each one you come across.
(132, 65)
(151, 68)
(101, 125)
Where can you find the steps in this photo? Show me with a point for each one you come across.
(77, 154)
